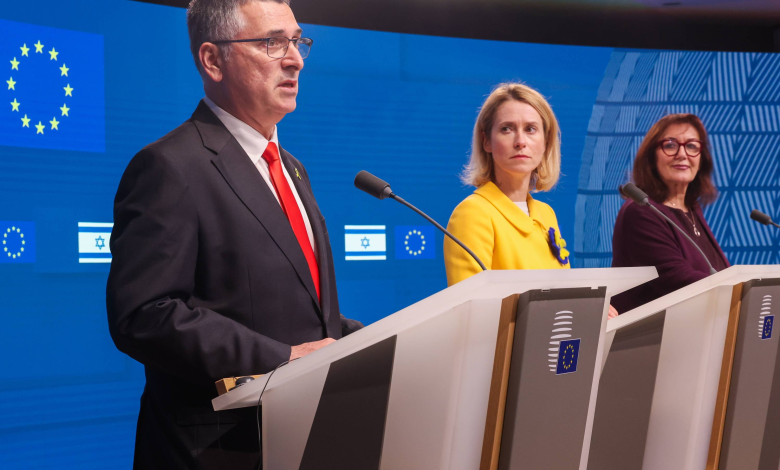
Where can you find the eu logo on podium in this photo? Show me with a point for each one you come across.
(766, 332)
(568, 354)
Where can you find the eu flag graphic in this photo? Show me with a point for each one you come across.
(51, 88)
(766, 332)
(568, 354)
(18, 242)
(415, 242)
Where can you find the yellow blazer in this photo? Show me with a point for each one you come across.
(500, 234)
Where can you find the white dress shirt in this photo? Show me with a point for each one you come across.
(523, 207)
(254, 144)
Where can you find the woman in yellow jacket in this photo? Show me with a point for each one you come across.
(516, 149)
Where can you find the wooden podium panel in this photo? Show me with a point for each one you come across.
(689, 382)
(543, 380)
(436, 382)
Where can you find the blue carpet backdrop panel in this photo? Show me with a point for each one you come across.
(736, 95)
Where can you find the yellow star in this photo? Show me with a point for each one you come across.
(25, 50)
(65, 109)
(53, 54)
(64, 70)
(11, 83)
(40, 127)
(54, 122)
(14, 64)
(68, 90)
(39, 47)
(25, 121)
(15, 105)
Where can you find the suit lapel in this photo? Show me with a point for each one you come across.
(317, 228)
(236, 167)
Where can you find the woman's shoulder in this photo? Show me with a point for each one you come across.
(630, 210)
(474, 202)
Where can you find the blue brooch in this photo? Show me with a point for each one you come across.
(558, 247)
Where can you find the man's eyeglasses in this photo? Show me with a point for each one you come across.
(670, 147)
(276, 47)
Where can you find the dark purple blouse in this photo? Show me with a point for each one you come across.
(644, 238)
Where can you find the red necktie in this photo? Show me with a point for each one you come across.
(291, 209)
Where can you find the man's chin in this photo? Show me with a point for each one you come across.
(286, 106)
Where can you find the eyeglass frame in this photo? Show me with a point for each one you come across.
(682, 145)
(296, 40)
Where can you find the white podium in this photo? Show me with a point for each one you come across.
(498, 371)
(691, 380)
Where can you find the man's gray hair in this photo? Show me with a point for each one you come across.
(215, 20)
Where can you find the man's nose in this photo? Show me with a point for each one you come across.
(292, 58)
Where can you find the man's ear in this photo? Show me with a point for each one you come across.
(486, 143)
(211, 61)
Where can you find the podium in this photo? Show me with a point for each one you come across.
(692, 380)
(498, 371)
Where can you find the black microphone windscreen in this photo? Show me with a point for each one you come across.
(760, 217)
(636, 194)
(374, 186)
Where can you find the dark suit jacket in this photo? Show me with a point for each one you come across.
(208, 281)
(644, 238)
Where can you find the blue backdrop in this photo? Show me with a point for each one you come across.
(99, 79)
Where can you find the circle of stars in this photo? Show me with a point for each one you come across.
(16, 106)
(13, 254)
(422, 243)
(568, 350)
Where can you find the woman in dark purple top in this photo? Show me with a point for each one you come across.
(673, 166)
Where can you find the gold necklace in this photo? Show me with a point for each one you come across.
(693, 222)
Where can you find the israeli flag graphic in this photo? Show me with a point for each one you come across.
(93, 242)
(365, 242)
(52, 88)
(18, 242)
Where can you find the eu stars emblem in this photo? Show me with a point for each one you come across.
(766, 331)
(54, 88)
(18, 242)
(568, 354)
(415, 242)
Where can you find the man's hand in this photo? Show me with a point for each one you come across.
(308, 348)
(612, 312)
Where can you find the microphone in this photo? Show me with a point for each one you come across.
(762, 218)
(639, 196)
(380, 189)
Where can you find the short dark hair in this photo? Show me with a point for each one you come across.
(213, 20)
(645, 174)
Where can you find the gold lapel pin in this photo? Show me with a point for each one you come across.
(297, 174)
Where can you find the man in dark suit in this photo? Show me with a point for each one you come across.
(221, 259)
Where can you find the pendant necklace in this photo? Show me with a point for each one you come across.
(693, 222)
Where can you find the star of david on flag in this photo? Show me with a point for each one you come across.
(51, 88)
(365, 243)
(93, 242)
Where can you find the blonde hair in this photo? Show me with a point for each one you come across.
(479, 169)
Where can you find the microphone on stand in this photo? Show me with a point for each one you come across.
(639, 196)
(380, 189)
(762, 218)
